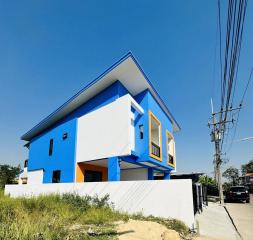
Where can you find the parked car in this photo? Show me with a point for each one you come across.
(238, 193)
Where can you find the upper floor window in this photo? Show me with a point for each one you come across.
(141, 128)
(26, 163)
(56, 178)
(155, 137)
(51, 145)
(64, 136)
(170, 148)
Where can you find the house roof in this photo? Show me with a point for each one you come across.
(249, 174)
(187, 174)
(127, 71)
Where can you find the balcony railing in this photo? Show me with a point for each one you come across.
(155, 149)
(171, 159)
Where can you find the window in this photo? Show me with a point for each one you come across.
(141, 128)
(92, 176)
(170, 148)
(56, 176)
(155, 137)
(64, 136)
(26, 163)
(51, 145)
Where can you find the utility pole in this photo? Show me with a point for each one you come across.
(218, 128)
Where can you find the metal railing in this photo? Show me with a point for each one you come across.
(155, 149)
(171, 159)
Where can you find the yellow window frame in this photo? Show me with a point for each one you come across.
(152, 116)
(168, 134)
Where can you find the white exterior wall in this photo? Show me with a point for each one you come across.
(132, 132)
(106, 132)
(163, 198)
(35, 177)
(134, 174)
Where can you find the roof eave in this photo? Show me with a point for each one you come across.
(35, 130)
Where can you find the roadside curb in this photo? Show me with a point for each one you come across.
(232, 221)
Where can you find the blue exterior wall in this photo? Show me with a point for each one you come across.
(148, 103)
(141, 145)
(63, 157)
(63, 152)
(166, 124)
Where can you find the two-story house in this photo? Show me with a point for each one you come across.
(117, 128)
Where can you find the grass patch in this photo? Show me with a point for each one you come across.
(57, 217)
(68, 216)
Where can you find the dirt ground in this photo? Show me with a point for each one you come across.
(146, 230)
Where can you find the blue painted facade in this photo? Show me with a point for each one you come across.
(148, 103)
(63, 157)
(63, 154)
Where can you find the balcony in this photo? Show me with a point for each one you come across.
(155, 150)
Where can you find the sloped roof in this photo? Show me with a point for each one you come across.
(127, 71)
(249, 174)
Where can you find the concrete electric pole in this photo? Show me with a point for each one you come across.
(217, 133)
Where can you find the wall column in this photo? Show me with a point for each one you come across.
(166, 175)
(150, 174)
(113, 169)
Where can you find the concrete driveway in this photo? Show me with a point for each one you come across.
(242, 215)
(214, 223)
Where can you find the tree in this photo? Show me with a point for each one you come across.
(205, 180)
(8, 175)
(232, 174)
(247, 168)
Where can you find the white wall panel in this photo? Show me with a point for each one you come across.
(105, 132)
(35, 177)
(163, 198)
(134, 174)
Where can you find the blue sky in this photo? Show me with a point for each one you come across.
(51, 49)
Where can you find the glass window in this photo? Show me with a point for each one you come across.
(141, 128)
(56, 176)
(51, 145)
(170, 148)
(26, 163)
(155, 138)
(65, 136)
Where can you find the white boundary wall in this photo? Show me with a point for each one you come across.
(161, 198)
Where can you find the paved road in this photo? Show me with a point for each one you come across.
(242, 215)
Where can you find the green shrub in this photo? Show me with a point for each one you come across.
(76, 201)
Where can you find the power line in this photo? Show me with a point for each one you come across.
(219, 22)
(221, 128)
(235, 23)
(247, 85)
(236, 121)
